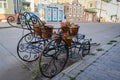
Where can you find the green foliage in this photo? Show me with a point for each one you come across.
(81, 70)
(107, 1)
(72, 78)
(113, 41)
(99, 49)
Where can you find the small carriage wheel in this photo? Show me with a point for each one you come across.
(53, 58)
(85, 47)
(27, 50)
(10, 19)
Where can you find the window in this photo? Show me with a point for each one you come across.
(90, 4)
(3, 4)
(67, 8)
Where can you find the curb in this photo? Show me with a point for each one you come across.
(74, 70)
(5, 27)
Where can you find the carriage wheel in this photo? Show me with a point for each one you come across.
(53, 59)
(85, 47)
(29, 47)
(10, 20)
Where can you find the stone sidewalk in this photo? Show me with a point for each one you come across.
(100, 65)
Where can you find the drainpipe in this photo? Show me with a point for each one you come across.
(100, 10)
(117, 11)
(17, 6)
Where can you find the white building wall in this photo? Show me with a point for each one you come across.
(31, 4)
(108, 9)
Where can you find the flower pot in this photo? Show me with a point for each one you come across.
(58, 41)
(19, 13)
(37, 30)
(47, 32)
(68, 42)
(73, 31)
(65, 29)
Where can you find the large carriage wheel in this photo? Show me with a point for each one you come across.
(86, 47)
(53, 58)
(29, 47)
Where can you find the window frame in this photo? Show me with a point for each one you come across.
(91, 5)
(3, 4)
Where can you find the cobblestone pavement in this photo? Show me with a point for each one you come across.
(10, 62)
(104, 65)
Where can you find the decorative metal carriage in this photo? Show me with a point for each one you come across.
(52, 48)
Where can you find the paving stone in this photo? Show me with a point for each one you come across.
(57, 77)
(106, 47)
(74, 72)
(114, 74)
(83, 76)
(64, 78)
(103, 66)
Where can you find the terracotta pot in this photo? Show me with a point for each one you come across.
(47, 32)
(19, 13)
(68, 42)
(58, 41)
(37, 30)
(73, 31)
(65, 29)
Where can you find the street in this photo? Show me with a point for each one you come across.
(11, 65)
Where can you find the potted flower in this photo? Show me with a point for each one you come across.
(65, 26)
(37, 29)
(67, 38)
(19, 13)
(74, 29)
(47, 31)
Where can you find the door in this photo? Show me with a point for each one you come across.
(60, 15)
(49, 14)
(54, 14)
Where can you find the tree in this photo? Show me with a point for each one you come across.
(107, 1)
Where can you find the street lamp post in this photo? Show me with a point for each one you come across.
(117, 9)
(100, 10)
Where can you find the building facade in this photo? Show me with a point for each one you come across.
(90, 14)
(58, 10)
(61, 10)
(108, 11)
(74, 11)
(6, 9)
(51, 12)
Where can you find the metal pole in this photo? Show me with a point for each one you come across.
(100, 10)
(117, 11)
(17, 6)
